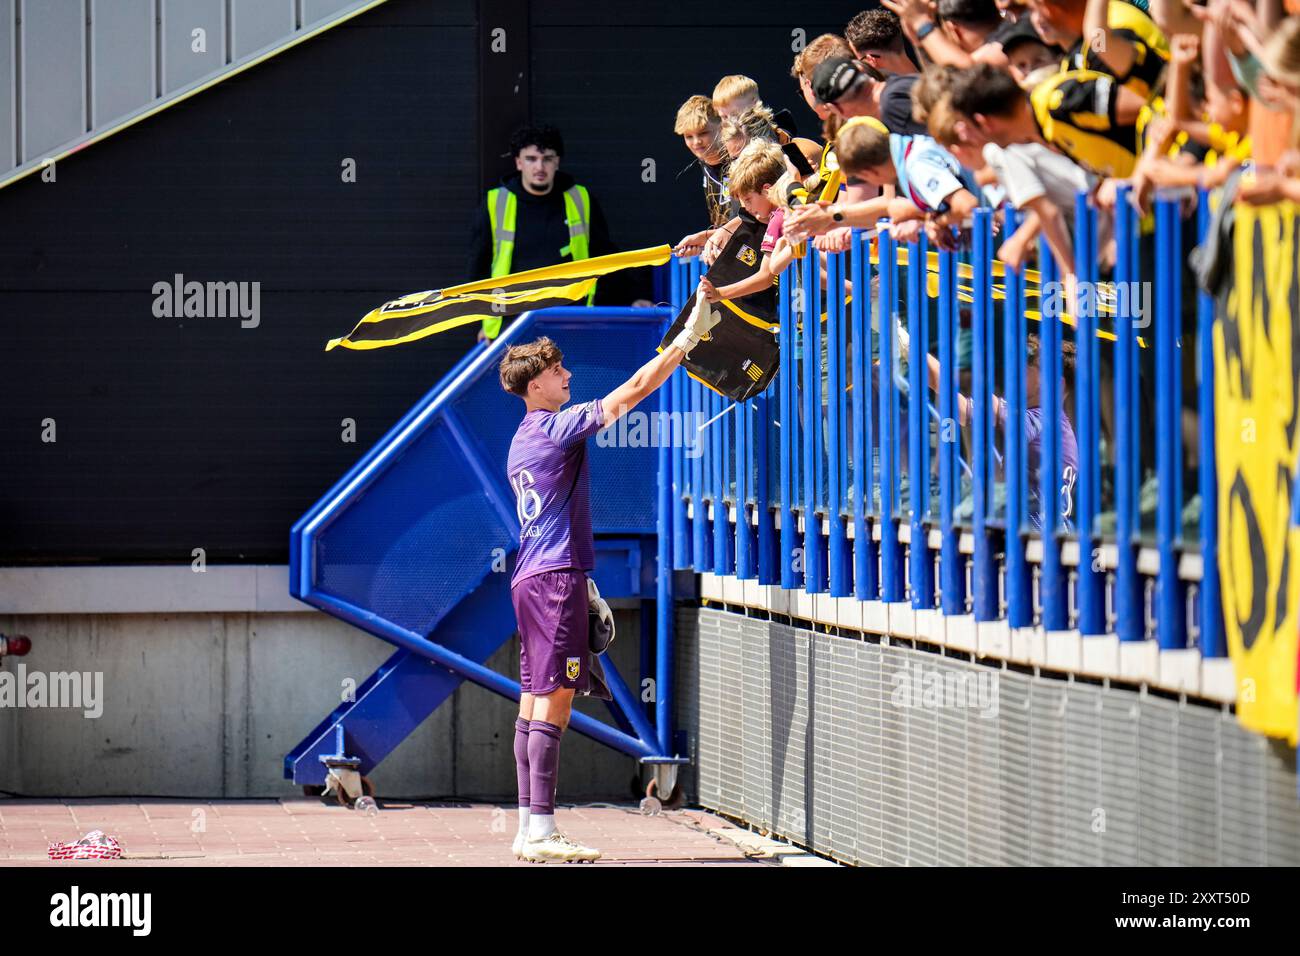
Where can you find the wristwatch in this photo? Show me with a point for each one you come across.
(837, 216)
(924, 30)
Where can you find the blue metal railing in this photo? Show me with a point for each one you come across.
(845, 468)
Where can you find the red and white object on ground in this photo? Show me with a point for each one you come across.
(95, 845)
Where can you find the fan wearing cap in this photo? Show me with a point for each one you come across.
(844, 86)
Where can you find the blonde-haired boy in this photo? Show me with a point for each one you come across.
(734, 94)
(699, 127)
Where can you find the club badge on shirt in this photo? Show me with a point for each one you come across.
(572, 667)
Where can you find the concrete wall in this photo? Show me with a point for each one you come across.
(207, 705)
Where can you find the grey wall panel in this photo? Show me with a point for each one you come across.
(53, 107)
(121, 58)
(8, 88)
(182, 63)
(258, 23)
(316, 10)
(709, 767)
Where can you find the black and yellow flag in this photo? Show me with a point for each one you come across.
(427, 313)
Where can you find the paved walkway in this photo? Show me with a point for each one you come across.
(304, 832)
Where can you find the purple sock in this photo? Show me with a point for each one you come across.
(543, 760)
(521, 759)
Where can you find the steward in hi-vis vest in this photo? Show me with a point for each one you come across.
(538, 217)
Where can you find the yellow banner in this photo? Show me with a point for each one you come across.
(1256, 378)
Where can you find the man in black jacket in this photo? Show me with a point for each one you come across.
(537, 217)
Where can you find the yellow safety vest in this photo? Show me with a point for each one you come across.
(503, 209)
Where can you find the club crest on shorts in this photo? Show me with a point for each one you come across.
(572, 667)
(747, 255)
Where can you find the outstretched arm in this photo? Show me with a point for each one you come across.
(656, 371)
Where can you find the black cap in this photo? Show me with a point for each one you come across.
(1015, 32)
(834, 77)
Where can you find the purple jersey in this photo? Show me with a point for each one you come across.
(547, 467)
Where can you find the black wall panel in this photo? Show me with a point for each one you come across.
(177, 433)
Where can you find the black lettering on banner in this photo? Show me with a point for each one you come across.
(1241, 508)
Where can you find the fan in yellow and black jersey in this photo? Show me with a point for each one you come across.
(1114, 37)
(1085, 115)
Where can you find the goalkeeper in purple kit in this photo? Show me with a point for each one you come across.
(548, 473)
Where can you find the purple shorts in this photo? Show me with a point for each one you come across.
(551, 608)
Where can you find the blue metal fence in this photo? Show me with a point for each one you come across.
(848, 477)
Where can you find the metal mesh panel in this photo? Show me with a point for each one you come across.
(733, 727)
(1242, 792)
(1158, 783)
(1022, 786)
(870, 751)
(378, 553)
(1198, 786)
(756, 736)
(1080, 841)
(708, 767)
(893, 759)
(951, 826)
(788, 653)
(1118, 761)
(1046, 770)
(834, 754)
(623, 473)
(1283, 815)
(983, 762)
(1013, 720)
(688, 678)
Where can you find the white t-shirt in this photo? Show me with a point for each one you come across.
(1030, 170)
(927, 173)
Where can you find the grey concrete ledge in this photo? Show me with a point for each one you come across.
(147, 589)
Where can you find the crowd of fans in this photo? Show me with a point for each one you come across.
(931, 108)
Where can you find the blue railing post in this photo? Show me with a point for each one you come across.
(1089, 581)
(763, 438)
(983, 573)
(1053, 591)
(1209, 596)
(1019, 590)
(723, 538)
(866, 586)
(681, 473)
(839, 571)
(952, 577)
(1171, 605)
(744, 530)
(812, 431)
(891, 551)
(1130, 623)
(786, 385)
(920, 560)
(701, 553)
(664, 623)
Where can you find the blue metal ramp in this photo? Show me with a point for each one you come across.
(414, 545)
